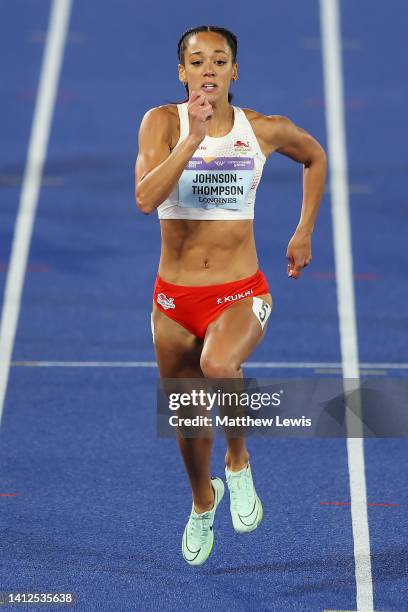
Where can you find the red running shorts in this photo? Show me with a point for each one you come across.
(196, 307)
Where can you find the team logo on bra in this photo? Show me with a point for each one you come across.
(239, 145)
(165, 302)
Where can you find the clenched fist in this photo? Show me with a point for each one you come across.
(199, 111)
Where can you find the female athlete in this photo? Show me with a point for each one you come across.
(199, 165)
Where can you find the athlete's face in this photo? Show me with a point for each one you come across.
(208, 65)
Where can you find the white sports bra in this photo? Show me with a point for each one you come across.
(220, 180)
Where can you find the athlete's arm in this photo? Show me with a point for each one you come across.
(158, 169)
(283, 136)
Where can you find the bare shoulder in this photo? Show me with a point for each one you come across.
(279, 133)
(164, 119)
(268, 122)
(266, 129)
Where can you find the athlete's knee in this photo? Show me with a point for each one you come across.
(212, 367)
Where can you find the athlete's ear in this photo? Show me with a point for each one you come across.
(182, 73)
(234, 75)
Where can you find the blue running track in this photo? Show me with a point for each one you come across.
(99, 502)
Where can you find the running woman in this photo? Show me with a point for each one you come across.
(199, 165)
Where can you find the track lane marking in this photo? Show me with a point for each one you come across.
(373, 367)
(37, 150)
(336, 136)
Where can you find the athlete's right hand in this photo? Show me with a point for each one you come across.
(199, 112)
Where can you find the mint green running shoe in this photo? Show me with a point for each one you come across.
(245, 505)
(198, 536)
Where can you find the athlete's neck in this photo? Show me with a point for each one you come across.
(221, 121)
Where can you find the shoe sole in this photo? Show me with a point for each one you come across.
(261, 517)
(209, 552)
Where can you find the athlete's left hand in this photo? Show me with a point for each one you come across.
(299, 253)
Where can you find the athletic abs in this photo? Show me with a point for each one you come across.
(207, 252)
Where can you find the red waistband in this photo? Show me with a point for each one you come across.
(248, 279)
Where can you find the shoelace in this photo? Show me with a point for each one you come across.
(200, 525)
(241, 484)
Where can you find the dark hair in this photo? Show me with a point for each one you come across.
(227, 34)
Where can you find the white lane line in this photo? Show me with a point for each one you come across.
(250, 364)
(50, 70)
(85, 364)
(334, 95)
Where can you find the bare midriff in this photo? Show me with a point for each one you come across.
(207, 252)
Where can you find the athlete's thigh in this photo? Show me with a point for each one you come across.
(177, 350)
(234, 334)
